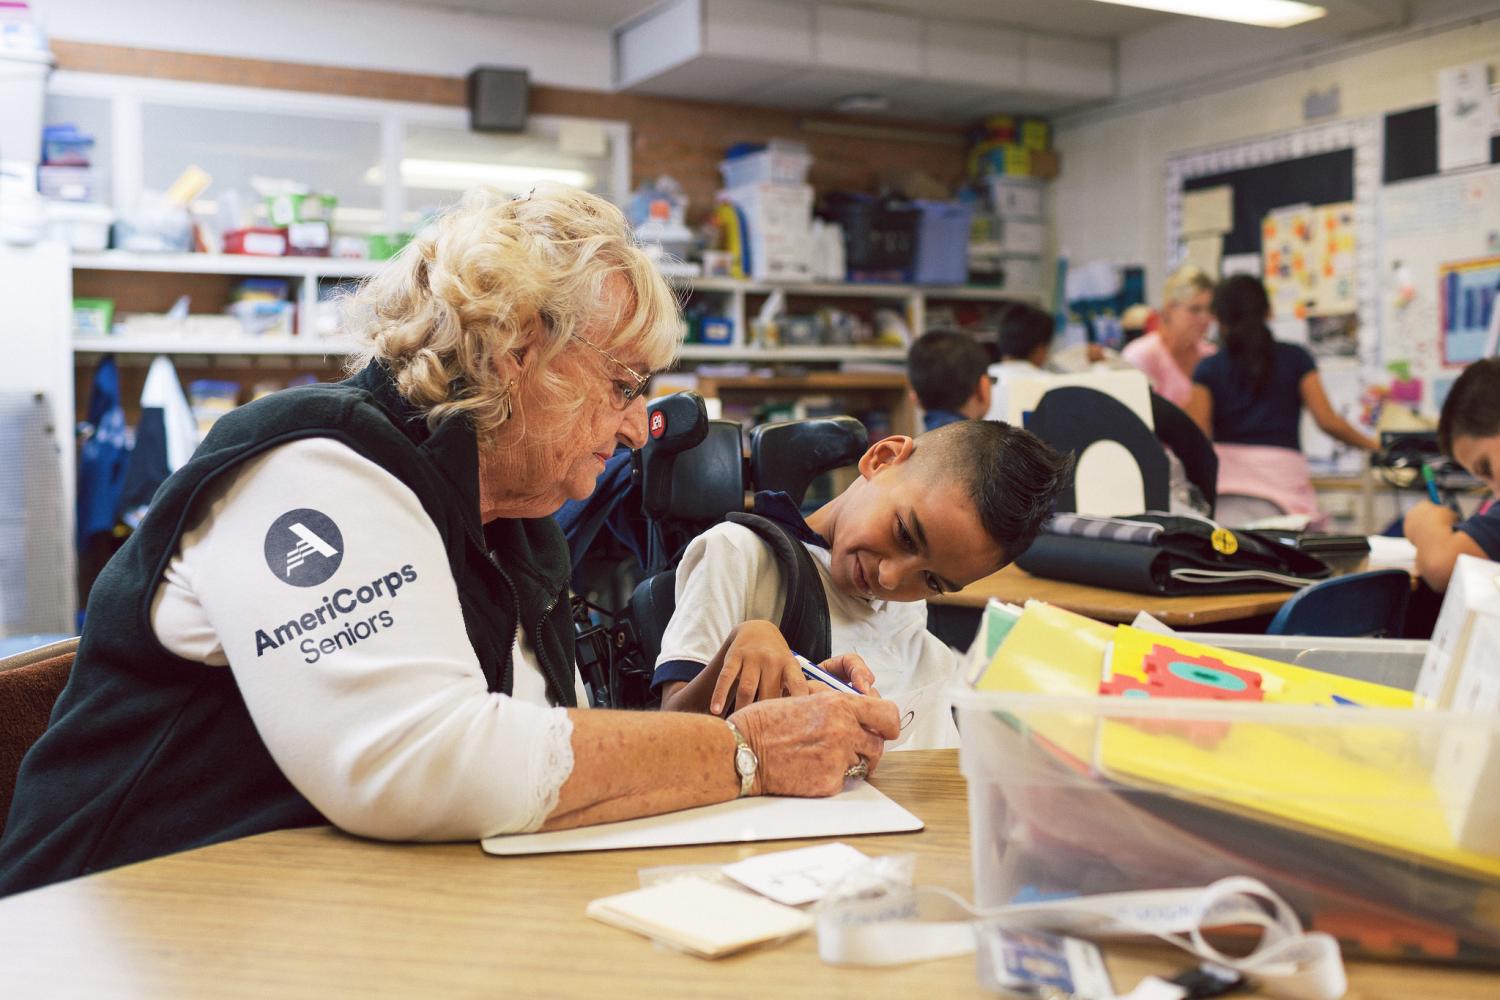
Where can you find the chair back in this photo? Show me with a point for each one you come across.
(1074, 419)
(1369, 604)
(29, 685)
(1176, 430)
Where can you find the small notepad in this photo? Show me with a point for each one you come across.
(699, 916)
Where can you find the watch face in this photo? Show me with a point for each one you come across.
(744, 761)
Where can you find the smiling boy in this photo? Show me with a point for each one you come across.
(926, 516)
(1469, 433)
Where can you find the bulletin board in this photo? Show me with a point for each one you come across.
(1305, 220)
(1439, 261)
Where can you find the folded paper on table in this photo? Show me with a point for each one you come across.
(699, 916)
(860, 808)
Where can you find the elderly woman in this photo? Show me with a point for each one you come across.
(351, 605)
(1169, 354)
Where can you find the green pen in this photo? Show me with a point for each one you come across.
(1436, 495)
(1431, 481)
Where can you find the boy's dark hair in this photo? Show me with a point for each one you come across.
(1013, 476)
(1472, 408)
(945, 367)
(1023, 329)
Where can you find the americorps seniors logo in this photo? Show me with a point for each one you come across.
(304, 547)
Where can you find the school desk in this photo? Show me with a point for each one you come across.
(1017, 586)
(316, 913)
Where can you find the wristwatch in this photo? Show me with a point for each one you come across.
(745, 761)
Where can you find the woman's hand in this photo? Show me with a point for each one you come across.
(806, 744)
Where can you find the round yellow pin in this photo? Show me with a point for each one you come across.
(1224, 542)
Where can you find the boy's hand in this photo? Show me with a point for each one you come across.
(853, 671)
(758, 665)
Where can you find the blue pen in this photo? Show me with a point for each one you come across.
(813, 672)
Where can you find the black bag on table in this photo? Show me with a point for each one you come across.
(1166, 554)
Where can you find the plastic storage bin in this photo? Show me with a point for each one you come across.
(880, 238)
(1055, 809)
(82, 226)
(773, 165)
(778, 223)
(1015, 198)
(67, 183)
(942, 243)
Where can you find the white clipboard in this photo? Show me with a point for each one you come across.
(859, 808)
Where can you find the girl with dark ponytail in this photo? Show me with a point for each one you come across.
(1241, 307)
(1249, 398)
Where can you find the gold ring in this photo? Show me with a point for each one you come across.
(859, 770)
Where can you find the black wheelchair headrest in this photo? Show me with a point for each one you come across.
(674, 424)
(790, 454)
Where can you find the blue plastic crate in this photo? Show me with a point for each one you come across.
(943, 243)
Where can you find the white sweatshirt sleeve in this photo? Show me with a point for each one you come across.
(327, 589)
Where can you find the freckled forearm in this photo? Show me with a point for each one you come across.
(629, 764)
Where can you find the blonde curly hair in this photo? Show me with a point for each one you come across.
(494, 269)
(1185, 282)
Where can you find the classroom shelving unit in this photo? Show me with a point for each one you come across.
(309, 272)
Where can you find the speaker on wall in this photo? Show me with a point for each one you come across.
(497, 99)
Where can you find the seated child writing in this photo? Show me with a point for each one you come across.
(1469, 433)
(926, 516)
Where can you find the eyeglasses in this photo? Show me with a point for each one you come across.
(625, 392)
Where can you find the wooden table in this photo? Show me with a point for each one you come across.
(1017, 586)
(317, 913)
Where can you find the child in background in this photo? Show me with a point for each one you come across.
(926, 516)
(1469, 433)
(1025, 345)
(947, 374)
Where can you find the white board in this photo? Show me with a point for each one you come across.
(859, 808)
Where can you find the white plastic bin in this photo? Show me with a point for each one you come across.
(1016, 197)
(23, 90)
(1017, 237)
(778, 219)
(84, 227)
(773, 165)
(1057, 806)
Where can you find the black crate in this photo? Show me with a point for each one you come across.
(880, 236)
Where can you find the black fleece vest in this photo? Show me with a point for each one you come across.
(148, 753)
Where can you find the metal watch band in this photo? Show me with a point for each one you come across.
(745, 761)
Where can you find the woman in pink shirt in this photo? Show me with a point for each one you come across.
(1170, 353)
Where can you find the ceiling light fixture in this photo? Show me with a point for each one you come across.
(854, 104)
(456, 175)
(1262, 13)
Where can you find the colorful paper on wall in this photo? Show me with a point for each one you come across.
(1332, 256)
(1286, 270)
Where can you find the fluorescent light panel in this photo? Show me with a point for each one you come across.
(1262, 13)
(452, 175)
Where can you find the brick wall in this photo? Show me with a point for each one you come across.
(683, 138)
